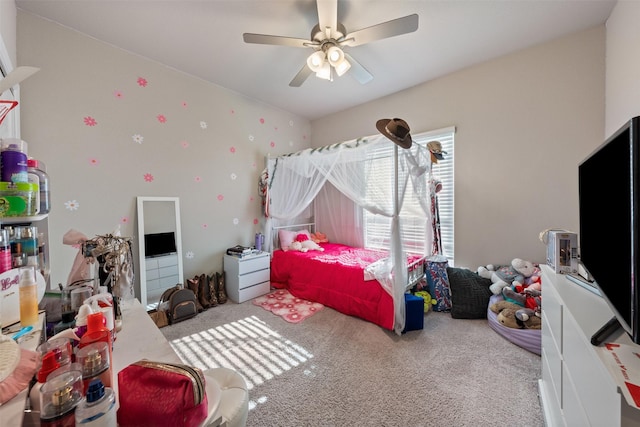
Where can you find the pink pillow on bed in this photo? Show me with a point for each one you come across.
(287, 237)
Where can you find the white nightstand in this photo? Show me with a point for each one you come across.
(247, 277)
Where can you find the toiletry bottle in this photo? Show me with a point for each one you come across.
(81, 319)
(59, 397)
(5, 251)
(97, 332)
(13, 158)
(38, 175)
(28, 290)
(103, 302)
(94, 359)
(98, 408)
(48, 365)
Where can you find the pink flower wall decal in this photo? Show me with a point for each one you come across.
(124, 220)
(142, 82)
(232, 150)
(161, 118)
(118, 94)
(233, 111)
(184, 144)
(255, 221)
(205, 225)
(220, 197)
(184, 104)
(272, 144)
(93, 162)
(148, 177)
(251, 199)
(90, 121)
(261, 121)
(197, 179)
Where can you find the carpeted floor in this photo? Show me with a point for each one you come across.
(336, 370)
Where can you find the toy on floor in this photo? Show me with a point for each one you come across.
(514, 316)
(428, 301)
(514, 274)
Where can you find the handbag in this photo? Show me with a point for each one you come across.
(159, 317)
(159, 393)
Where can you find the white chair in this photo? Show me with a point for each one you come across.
(234, 399)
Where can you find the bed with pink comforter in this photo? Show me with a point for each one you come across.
(335, 278)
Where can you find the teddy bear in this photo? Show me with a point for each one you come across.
(530, 297)
(428, 301)
(514, 316)
(515, 274)
(302, 243)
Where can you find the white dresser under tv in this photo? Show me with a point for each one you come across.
(162, 274)
(578, 385)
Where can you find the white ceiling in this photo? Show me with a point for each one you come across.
(204, 39)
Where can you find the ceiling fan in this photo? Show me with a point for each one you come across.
(329, 37)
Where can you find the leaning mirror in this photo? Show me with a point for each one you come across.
(159, 247)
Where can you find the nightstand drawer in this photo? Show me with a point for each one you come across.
(251, 279)
(251, 292)
(249, 265)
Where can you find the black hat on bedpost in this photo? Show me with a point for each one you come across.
(397, 130)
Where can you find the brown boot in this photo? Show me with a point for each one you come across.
(222, 292)
(213, 290)
(194, 285)
(203, 287)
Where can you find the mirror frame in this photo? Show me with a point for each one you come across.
(141, 200)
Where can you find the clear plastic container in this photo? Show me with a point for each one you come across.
(98, 408)
(37, 175)
(59, 397)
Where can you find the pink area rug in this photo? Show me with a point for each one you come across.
(281, 303)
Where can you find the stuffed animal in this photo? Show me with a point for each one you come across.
(514, 316)
(428, 301)
(319, 237)
(529, 297)
(515, 274)
(303, 244)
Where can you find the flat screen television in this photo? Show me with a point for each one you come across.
(159, 244)
(609, 195)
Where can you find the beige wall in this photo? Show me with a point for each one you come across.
(623, 65)
(524, 121)
(101, 169)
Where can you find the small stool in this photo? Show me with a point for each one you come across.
(234, 400)
(414, 312)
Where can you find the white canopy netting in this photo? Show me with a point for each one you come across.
(353, 168)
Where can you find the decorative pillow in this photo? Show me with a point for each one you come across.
(470, 294)
(287, 237)
(435, 271)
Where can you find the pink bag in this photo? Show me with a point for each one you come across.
(158, 393)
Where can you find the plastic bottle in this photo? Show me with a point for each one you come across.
(13, 158)
(5, 251)
(98, 408)
(103, 302)
(49, 364)
(28, 290)
(37, 175)
(59, 397)
(95, 362)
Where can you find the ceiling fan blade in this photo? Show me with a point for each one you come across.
(396, 27)
(327, 14)
(357, 71)
(276, 40)
(302, 75)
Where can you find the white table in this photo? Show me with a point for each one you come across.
(138, 339)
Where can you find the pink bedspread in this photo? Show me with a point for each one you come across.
(335, 278)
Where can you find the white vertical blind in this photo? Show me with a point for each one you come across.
(414, 225)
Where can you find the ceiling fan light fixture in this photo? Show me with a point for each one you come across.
(316, 61)
(342, 67)
(335, 55)
(324, 72)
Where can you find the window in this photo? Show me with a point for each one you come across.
(377, 227)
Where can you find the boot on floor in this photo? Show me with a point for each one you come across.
(213, 290)
(222, 291)
(194, 285)
(203, 288)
